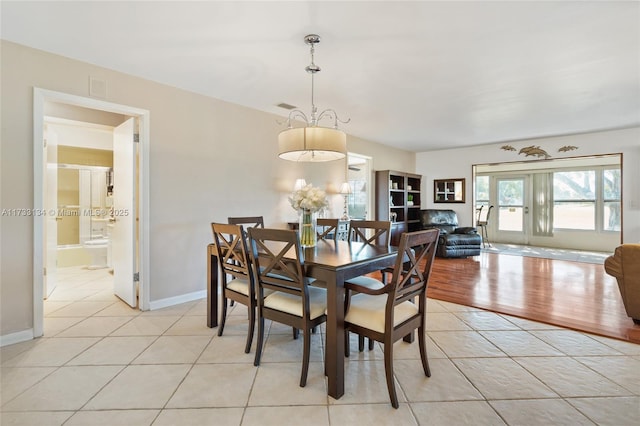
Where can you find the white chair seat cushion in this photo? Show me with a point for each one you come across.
(292, 304)
(368, 282)
(368, 311)
(241, 285)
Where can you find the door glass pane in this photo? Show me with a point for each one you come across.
(511, 205)
(68, 206)
(510, 218)
(511, 192)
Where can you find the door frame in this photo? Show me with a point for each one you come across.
(40, 96)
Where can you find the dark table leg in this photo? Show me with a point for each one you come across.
(335, 333)
(212, 287)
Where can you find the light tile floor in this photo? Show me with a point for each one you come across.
(102, 363)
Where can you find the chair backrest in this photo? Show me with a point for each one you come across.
(250, 221)
(410, 279)
(327, 228)
(371, 232)
(233, 254)
(483, 219)
(273, 269)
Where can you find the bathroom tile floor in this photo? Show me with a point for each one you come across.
(103, 363)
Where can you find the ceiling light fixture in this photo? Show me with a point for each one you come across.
(312, 143)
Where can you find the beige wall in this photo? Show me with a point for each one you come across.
(208, 160)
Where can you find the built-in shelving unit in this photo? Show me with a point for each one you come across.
(398, 200)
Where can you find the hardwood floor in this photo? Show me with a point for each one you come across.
(575, 295)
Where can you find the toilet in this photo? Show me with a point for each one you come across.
(98, 250)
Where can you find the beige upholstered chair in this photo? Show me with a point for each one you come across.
(625, 266)
(292, 301)
(389, 313)
(247, 222)
(237, 273)
(371, 232)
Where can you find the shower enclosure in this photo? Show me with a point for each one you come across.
(83, 203)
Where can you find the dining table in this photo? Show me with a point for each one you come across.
(333, 262)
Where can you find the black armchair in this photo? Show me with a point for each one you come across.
(454, 241)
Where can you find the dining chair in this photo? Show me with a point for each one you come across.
(389, 313)
(327, 228)
(292, 301)
(238, 283)
(249, 221)
(370, 232)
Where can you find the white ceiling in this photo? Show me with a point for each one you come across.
(415, 75)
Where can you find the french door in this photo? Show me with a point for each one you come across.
(512, 209)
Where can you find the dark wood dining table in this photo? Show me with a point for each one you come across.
(333, 262)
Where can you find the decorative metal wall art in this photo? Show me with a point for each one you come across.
(536, 151)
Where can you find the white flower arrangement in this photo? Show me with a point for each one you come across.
(309, 198)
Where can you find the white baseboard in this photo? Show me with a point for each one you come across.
(176, 300)
(20, 336)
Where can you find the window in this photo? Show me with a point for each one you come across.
(611, 183)
(482, 191)
(574, 200)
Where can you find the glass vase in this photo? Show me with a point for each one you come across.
(307, 220)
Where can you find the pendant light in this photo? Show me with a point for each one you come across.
(312, 143)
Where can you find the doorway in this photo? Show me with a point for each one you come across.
(132, 219)
(359, 178)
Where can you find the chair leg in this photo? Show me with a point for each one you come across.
(252, 323)
(256, 360)
(423, 352)
(371, 342)
(305, 357)
(296, 333)
(223, 315)
(360, 343)
(347, 349)
(388, 369)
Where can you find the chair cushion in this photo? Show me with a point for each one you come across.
(292, 304)
(368, 282)
(241, 285)
(369, 311)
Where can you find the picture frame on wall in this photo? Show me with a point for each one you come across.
(448, 190)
